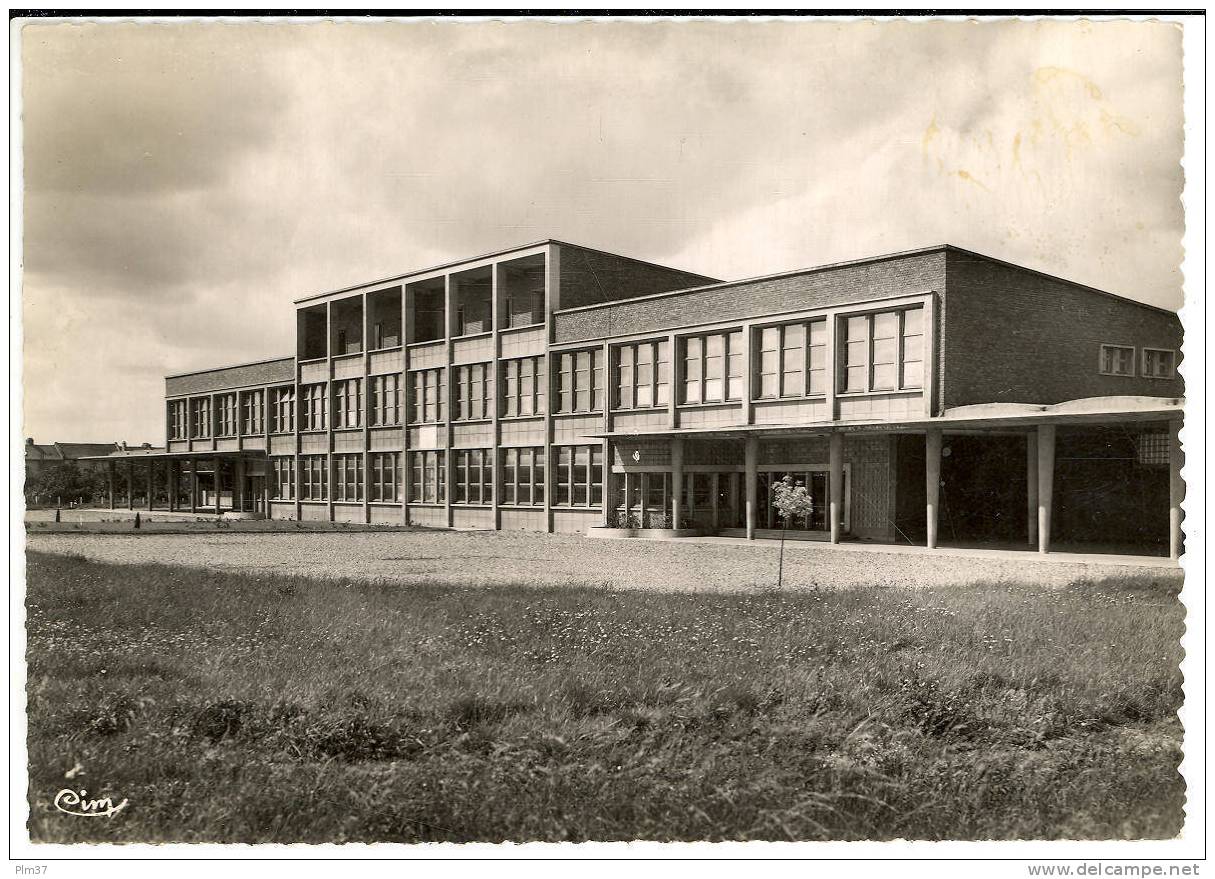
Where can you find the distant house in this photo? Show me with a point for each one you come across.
(39, 456)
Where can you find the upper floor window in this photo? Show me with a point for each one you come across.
(712, 368)
(472, 390)
(793, 360)
(348, 403)
(1117, 360)
(580, 381)
(1159, 363)
(385, 399)
(225, 415)
(429, 394)
(282, 409)
(643, 375)
(523, 386)
(252, 412)
(178, 423)
(200, 417)
(883, 351)
(312, 407)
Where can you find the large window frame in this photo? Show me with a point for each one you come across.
(523, 387)
(472, 392)
(179, 420)
(282, 409)
(791, 360)
(641, 375)
(579, 382)
(473, 477)
(348, 477)
(429, 389)
(1152, 360)
(313, 406)
(200, 418)
(885, 348)
(428, 476)
(314, 477)
(253, 412)
(578, 476)
(522, 476)
(712, 368)
(384, 399)
(225, 414)
(1116, 360)
(282, 478)
(347, 403)
(384, 477)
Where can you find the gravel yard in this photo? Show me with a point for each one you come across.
(495, 558)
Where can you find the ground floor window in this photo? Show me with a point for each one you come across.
(282, 479)
(474, 476)
(348, 477)
(578, 476)
(428, 477)
(385, 473)
(815, 482)
(314, 478)
(523, 476)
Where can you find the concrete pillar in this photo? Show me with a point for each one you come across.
(217, 485)
(1176, 489)
(932, 484)
(609, 498)
(641, 500)
(110, 474)
(151, 480)
(835, 492)
(171, 482)
(1046, 483)
(1031, 486)
(750, 482)
(130, 484)
(715, 488)
(238, 488)
(193, 485)
(627, 486)
(676, 480)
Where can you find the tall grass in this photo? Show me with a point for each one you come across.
(281, 709)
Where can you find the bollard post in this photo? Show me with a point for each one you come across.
(137, 520)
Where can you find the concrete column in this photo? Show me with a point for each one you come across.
(627, 486)
(644, 495)
(932, 483)
(609, 506)
(1031, 486)
(110, 474)
(676, 481)
(151, 480)
(750, 482)
(716, 489)
(130, 484)
(1176, 489)
(238, 488)
(193, 485)
(835, 492)
(217, 485)
(171, 481)
(1046, 483)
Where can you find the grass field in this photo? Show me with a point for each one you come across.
(263, 708)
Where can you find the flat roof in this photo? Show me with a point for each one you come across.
(899, 254)
(230, 366)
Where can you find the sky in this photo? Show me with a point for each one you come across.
(184, 183)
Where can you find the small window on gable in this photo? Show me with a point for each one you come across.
(1159, 363)
(1117, 360)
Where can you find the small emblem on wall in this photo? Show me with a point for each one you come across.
(636, 454)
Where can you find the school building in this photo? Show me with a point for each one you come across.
(935, 396)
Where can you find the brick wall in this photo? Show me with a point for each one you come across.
(592, 276)
(895, 276)
(1010, 335)
(268, 373)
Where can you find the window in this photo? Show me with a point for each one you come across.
(471, 392)
(578, 476)
(282, 409)
(428, 477)
(282, 479)
(1116, 360)
(225, 415)
(429, 394)
(200, 417)
(712, 368)
(884, 351)
(348, 477)
(792, 360)
(474, 476)
(314, 478)
(252, 412)
(385, 399)
(348, 403)
(523, 476)
(384, 477)
(643, 375)
(580, 381)
(178, 423)
(1159, 363)
(524, 386)
(312, 407)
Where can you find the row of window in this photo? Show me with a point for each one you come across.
(577, 477)
(1154, 363)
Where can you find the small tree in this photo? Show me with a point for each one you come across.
(791, 500)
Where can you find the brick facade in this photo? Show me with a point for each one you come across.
(268, 372)
(590, 276)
